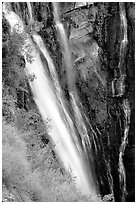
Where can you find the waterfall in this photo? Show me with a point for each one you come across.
(48, 97)
(84, 84)
(30, 12)
(71, 80)
(118, 86)
(122, 171)
(66, 49)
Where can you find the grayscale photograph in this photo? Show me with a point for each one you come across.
(68, 101)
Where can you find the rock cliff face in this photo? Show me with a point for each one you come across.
(102, 40)
(102, 37)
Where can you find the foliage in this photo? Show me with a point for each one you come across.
(32, 177)
(13, 75)
(8, 106)
(14, 81)
(13, 62)
(31, 170)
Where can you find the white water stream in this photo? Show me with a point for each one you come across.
(122, 171)
(48, 99)
(71, 79)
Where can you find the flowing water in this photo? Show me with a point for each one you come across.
(126, 107)
(49, 99)
(124, 40)
(122, 172)
(68, 131)
(71, 81)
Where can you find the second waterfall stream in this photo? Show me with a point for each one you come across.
(49, 98)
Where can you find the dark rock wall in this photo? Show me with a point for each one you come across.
(95, 34)
(129, 157)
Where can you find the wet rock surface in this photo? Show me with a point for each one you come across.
(96, 44)
(95, 34)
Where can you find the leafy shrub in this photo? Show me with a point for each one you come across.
(37, 178)
(8, 106)
(15, 165)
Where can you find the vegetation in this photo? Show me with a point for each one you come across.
(30, 169)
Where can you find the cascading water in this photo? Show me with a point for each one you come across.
(122, 172)
(71, 81)
(118, 84)
(120, 92)
(91, 127)
(67, 147)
